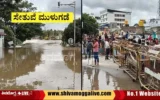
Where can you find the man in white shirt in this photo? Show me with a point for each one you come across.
(130, 37)
(107, 48)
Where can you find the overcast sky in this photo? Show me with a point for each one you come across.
(52, 6)
(141, 9)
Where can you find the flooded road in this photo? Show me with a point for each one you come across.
(40, 64)
(107, 76)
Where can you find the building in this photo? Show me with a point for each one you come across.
(154, 22)
(2, 34)
(115, 16)
(1, 44)
(113, 25)
(98, 19)
(153, 25)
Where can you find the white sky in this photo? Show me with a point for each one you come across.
(141, 9)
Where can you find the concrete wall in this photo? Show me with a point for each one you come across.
(1, 44)
(1, 53)
(1, 39)
(111, 17)
(113, 25)
(138, 30)
(154, 22)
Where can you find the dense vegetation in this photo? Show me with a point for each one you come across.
(90, 25)
(69, 32)
(52, 34)
(18, 31)
(22, 31)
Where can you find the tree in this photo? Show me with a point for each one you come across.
(90, 25)
(8, 6)
(22, 31)
(51, 34)
(27, 31)
(69, 32)
(55, 33)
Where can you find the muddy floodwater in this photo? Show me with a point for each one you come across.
(40, 64)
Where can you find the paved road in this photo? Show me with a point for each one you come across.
(108, 76)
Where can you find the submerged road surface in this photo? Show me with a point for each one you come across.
(40, 64)
(107, 76)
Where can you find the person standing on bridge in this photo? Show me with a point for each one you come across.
(126, 35)
(107, 49)
(154, 35)
(89, 48)
(95, 51)
(99, 40)
(103, 37)
(150, 38)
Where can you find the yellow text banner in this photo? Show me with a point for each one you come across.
(42, 17)
(79, 95)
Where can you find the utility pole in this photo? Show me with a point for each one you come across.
(158, 9)
(74, 22)
(15, 27)
(74, 6)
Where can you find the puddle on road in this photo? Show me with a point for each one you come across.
(40, 66)
(96, 79)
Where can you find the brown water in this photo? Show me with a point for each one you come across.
(40, 65)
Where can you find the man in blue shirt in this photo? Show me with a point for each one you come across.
(127, 35)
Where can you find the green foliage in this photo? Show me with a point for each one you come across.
(22, 31)
(69, 32)
(9, 35)
(90, 25)
(51, 34)
(27, 31)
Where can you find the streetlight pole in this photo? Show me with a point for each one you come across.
(14, 36)
(74, 6)
(74, 22)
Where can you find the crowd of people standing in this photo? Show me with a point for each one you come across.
(102, 44)
(93, 46)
